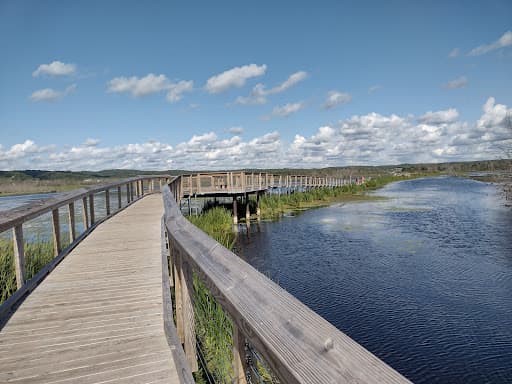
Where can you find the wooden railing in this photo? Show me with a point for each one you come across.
(245, 182)
(133, 189)
(297, 344)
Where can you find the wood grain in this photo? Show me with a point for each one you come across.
(98, 317)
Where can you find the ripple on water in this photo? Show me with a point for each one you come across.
(422, 279)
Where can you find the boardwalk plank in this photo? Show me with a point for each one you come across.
(98, 317)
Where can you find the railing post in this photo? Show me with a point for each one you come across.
(188, 316)
(178, 295)
(128, 193)
(107, 201)
(239, 356)
(19, 255)
(119, 202)
(91, 208)
(141, 181)
(56, 232)
(85, 215)
(71, 219)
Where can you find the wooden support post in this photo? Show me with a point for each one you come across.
(85, 215)
(56, 232)
(19, 255)
(170, 258)
(91, 207)
(141, 187)
(119, 202)
(178, 296)
(188, 316)
(258, 210)
(247, 210)
(239, 357)
(198, 178)
(107, 201)
(71, 220)
(235, 215)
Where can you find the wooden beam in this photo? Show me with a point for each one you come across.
(119, 201)
(71, 222)
(178, 295)
(239, 357)
(57, 246)
(189, 325)
(91, 208)
(19, 255)
(85, 215)
(107, 201)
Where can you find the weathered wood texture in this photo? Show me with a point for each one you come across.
(98, 317)
(298, 345)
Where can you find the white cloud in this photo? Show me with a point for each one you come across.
(259, 93)
(374, 89)
(459, 82)
(55, 68)
(176, 90)
(371, 139)
(91, 142)
(139, 86)
(504, 41)
(49, 94)
(287, 109)
(234, 77)
(149, 84)
(455, 52)
(440, 117)
(236, 130)
(201, 139)
(335, 98)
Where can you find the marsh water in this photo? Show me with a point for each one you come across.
(423, 279)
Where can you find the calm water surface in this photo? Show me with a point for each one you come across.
(423, 279)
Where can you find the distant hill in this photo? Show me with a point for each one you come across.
(449, 168)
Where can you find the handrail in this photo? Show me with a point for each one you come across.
(15, 218)
(298, 344)
(241, 182)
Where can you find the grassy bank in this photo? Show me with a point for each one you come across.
(273, 206)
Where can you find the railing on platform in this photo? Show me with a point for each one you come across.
(246, 182)
(81, 200)
(296, 344)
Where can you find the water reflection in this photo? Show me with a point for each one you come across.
(423, 279)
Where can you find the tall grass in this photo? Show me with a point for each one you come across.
(214, 328)
(217, 223)
(273, 206)
(37, 255)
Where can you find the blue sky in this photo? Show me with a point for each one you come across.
(230, 84)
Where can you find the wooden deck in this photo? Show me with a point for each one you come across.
(98, 317)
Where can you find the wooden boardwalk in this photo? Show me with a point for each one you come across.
(98, 317)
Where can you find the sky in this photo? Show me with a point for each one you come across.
(156, 85)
